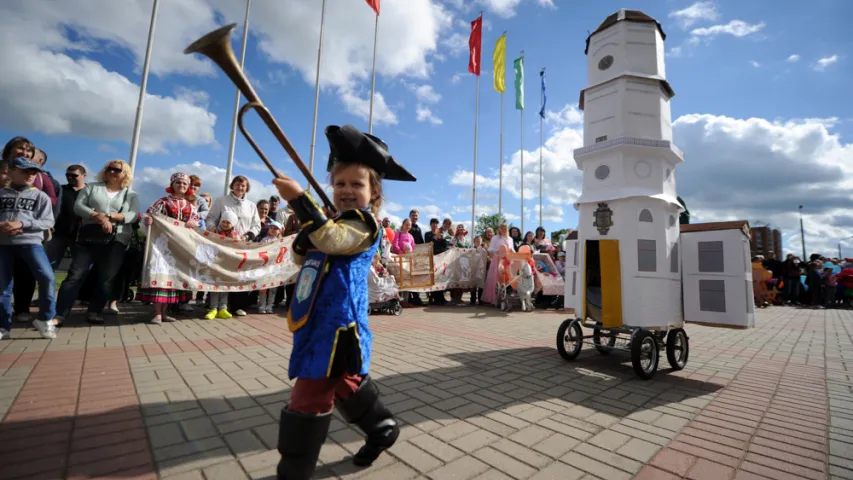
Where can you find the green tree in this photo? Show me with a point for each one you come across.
(489, 221)
(555, 236)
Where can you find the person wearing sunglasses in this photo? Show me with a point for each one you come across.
(108, 208)
(65, 231)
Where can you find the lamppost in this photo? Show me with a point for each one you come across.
(839, 247)
(802, 234)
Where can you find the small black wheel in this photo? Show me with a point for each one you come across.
(677, 348)
(570, 339)
(397, 310)
(596, 339)
(644, 354)
(128, 296)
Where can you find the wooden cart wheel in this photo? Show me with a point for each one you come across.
(677, 348)
(645, 355)
(596, 339)
(570, 339)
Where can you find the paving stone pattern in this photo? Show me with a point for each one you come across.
(481, 395)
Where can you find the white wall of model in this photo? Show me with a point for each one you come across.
(626, 258)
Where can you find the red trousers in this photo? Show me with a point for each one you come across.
(317, 396)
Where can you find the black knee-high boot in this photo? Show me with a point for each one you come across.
(365, 409)
(300, 437)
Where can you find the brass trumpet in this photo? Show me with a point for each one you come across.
(216, 45)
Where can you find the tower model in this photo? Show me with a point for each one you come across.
(626, 268)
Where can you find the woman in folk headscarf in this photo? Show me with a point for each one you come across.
(180, 204)
(499, 240)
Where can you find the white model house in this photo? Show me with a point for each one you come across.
(624, 269)
(717, 274)
(625, 261)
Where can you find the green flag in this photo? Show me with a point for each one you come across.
(518, 65)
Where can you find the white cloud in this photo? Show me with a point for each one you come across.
(740, 168)
(736, 28)
(686, 17)
(502, 8)
(360, 106)
(793, 58)
(424, 93)
(569, 115)
(825, 62)
(53, 93)
(456, 43)
(754, 64)
(253, 166)
(733, 169)
(675, 52)
(456, 78)
(424, 114)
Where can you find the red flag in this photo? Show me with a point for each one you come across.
(374, 4)
(475, 42)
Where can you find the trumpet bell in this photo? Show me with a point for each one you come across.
(215, 37)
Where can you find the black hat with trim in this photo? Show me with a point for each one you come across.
(350, 145)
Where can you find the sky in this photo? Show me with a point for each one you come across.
(761, 112)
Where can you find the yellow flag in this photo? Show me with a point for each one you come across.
(499, 59)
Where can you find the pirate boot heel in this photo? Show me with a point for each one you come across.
(366, 410)
(300, 437)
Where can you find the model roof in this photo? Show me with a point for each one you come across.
(624, 15)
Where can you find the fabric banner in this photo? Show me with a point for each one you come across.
(475, 43)
(463, 268)
(194, 259)
(374, 4)
(499, 61)
(518, 65)
(544, 97)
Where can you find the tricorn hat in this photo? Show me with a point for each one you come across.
(349, 145)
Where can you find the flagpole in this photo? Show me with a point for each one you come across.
(233, 142)
(137, 125)
(373, 80)
(521, 121)
(474, 183)
(317, 93)
(542, 103)
(501, 162)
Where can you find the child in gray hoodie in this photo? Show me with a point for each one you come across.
(25, 215)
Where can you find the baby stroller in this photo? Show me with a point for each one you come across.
(516, 279)
(131, 268)
(382, 293)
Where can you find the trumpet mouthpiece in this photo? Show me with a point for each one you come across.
(211, 38)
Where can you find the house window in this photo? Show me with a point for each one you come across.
(646, 216)
(646, 256)
(712, 296)
(711, 257)
(576, 253)
(574, 282)
(601, 139)
(673, 259)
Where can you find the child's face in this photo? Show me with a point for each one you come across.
(225, 225)
(434, 227)
(274, 232)
(352, 188)
(478, 241)
(22, 177)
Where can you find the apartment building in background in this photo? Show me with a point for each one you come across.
(764, 240)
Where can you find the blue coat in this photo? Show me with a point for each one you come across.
(328, 314)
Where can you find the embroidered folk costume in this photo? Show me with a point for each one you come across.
(332, 342)
(182, 209)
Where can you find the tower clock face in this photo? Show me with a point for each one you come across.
(605, 62)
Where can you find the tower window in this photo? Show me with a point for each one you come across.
(672, 220)
(601, 139)
(647, 255)
(673, 259)
(646, 216)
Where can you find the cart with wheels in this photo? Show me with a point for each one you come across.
(594, 292)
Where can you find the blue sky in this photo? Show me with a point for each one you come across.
(761, 110)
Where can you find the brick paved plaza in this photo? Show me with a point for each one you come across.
(482, 395)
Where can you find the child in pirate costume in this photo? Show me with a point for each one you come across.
(328, 314)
